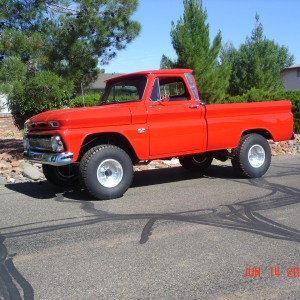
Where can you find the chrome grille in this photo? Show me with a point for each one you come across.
(39, 143)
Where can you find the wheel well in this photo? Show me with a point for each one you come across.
(266, 134)
(112, 138)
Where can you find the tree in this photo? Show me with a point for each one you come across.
(66, 41)
(257, 63)
(191, 41)
(166, 63)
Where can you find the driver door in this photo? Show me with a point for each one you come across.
(176, 121)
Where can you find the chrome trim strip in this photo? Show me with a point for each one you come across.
(55, 159)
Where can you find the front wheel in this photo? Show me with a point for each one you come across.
(196, 163)
(252, 157)
(106, 171)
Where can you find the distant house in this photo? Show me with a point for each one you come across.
(3, 105)
(98, 85)
(291, 77)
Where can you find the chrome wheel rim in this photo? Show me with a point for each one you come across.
(256, 156)
(110, 173)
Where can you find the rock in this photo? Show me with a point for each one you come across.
(11, 180)
(153, 164)
(161, 166)
(273, 152)
(166, 162)
(37, 165)
(4, 156)
(2, 180)
(15, 163)
(32, 172)
(25, 164)
(174, 161)
(4, 165)
(141, 168)
(17, 170)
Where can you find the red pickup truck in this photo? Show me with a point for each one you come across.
(150, 115)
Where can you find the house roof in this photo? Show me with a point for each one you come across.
(102, 78)
(296, 66)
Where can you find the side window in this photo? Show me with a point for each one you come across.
(173, 88)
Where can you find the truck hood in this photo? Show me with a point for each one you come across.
(108, 115)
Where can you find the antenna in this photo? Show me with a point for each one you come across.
(82, 95)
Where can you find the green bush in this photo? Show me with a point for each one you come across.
(43, 91)
(256, 95)
(94, 99)
(89, 100)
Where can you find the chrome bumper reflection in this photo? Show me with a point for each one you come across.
(56, 159)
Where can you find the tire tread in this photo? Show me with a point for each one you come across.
(239, 152)
(84, 166)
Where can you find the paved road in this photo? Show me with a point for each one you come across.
(174, 235)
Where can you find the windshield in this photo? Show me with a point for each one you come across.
(125, 90)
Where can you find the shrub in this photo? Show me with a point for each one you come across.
(94, 99)
(43, 91)
(89, 100)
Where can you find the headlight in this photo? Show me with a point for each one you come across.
(57, 144)
(54, 124)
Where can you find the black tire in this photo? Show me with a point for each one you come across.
(62, 176)
(196, 163)
(106, 171)
(252, 158)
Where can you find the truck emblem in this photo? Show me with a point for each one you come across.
(141, 130)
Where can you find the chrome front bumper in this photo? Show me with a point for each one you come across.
(55, 159)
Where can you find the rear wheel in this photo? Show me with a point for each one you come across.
(252, 157)
(106, 171)
(63, 176)
(196, 163)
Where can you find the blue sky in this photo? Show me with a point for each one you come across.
(235, 19)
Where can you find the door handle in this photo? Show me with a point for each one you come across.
(194, 106)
